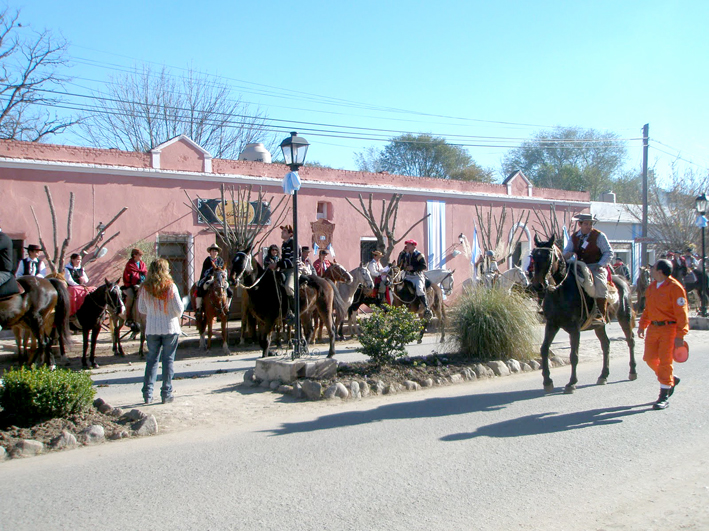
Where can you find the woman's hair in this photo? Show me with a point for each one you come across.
(273, 247)
(75, 255)
(158, 282)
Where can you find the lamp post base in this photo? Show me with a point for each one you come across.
(299, 350)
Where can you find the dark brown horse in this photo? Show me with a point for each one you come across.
(567, 306)
(214, 305)
(138, 327)
(105, 298)
(317, 297)
(404, 294)
(338, 275)
(34, 308)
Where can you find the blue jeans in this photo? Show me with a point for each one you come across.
(168, 344)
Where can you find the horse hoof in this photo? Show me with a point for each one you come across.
(569, 389)
(420, 341)
(633, 376)
(602, 381)
(94, 365)
(548, 388)
(84, 364)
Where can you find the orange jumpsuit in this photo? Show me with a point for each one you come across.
(663, 304)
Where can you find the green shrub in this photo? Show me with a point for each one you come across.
(386, 332)
(31, 395)
(490, 324)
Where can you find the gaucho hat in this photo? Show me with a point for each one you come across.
(584, 217)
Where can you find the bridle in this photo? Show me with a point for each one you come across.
(248, 268)
(554, 261)
(108, 303)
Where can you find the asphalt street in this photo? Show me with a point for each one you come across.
(494, 454)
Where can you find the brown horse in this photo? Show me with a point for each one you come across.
(214, 305)
(644, 280)
(317, 297)
(117, 322)
(34, 309)
(404, 294)
(337, 275)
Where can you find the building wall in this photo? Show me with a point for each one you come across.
(153, 188)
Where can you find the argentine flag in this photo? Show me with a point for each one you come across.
(475, 253)
(566, 237)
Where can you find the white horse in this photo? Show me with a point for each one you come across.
(360, 277)
(505, 281)
(442, 277)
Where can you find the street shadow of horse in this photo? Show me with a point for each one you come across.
(544, 423)
(428, 408)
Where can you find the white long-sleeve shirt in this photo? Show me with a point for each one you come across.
(162, 317)
(36, 268)
(68, 269)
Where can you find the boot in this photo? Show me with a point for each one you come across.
(663, 401)
(599, 317)
(427, 312)
(290, 316)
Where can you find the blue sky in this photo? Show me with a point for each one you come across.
(497, 70)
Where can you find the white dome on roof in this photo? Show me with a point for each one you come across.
(256, 152)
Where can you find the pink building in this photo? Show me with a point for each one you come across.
(152, 185)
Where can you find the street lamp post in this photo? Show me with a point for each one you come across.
(701, 221)
(294, 150)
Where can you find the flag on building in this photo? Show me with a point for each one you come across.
(475, 253)
(566, 236)
(331, 249)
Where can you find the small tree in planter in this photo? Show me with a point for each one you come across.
(386, 332)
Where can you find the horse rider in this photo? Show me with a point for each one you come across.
(412, 261)
(287, 264)
(74, 274)
(487, 263)
(305, 267)
(212, 262)
(379, 274)
(666, 319)
(690, 260)
(591, 246)
(8, 284)
(32, 264)
(619, 268)
(322, 264)
(133, 276)
(272, 256)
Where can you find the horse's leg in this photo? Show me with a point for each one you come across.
(210, 320)
(85, 347)
(225, 334)
(575, 341)
(549, 335)
(626, 321)
(605, 348)
(94, 338)
(265, 337)
(142, 341)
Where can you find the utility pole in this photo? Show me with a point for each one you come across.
(643, 245)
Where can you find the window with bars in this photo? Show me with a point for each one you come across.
(177, 249)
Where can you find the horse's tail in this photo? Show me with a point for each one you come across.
(62, 310)
(340, 304)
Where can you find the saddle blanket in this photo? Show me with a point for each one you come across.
(77, 294)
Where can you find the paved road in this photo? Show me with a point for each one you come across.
(495, 454)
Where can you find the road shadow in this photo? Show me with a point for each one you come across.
(427, 408)
(544, 423)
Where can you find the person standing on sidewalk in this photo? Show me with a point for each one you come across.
(160, 302)
(667, 322)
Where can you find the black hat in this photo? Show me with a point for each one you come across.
(33, 247)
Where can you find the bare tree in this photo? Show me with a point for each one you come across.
(384, 226)
(551, 225)
(493, 233)
(31, 63)
(145, 108)
(242, 226)
(56, 259)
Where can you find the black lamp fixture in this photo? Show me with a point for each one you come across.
(294, 149)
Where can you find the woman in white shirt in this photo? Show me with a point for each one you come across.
(74, 274)
(160, 302)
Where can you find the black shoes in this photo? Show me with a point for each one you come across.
(663, 401)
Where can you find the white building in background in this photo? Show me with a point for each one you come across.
(621, 224)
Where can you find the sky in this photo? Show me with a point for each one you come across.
(486, 75)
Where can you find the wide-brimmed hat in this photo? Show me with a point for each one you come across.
(215, 247)
(584, 217)
(412, 242)
(33, 247)
(377, 253)
(289, 228)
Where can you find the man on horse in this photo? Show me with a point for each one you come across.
(286, 264)
(379, 274)
(412, 261)
(305, 267)
(133, 276)
(620, 269)
(212, 262)
(32, 264)
(8, 284)
(322, 264)
(591, 246)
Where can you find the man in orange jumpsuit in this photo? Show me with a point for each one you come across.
(667, 322)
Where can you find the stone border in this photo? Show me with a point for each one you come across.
(140, 425)
(360, 388)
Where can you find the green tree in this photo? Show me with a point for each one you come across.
(570, 158)
(423, 156)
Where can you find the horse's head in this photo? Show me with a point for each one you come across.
(543, 258)
(447, 283)
(339, 274)
(114, 298)
(220, 282)
(241, 265)
(362, 276)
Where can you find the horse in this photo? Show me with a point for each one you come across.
(339, 276)
(404, 294)
(319, 295)
(33, 309)
(214, 305)
(513, 278)
(267, 296)
(696, 285)
(567, 306)
(117, 322)
(644, 280)
(92, 312)
(361, 277)
(442, 277)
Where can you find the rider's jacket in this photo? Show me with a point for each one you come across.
(75, 276)
(208, 265)
(286, 261)
(134, 273)
(415, 259)
(592, 248)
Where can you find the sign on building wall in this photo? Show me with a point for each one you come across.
(213, 211)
